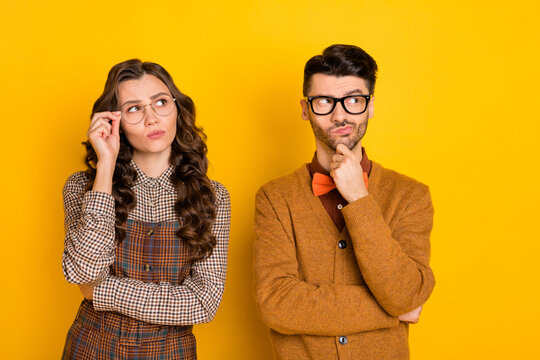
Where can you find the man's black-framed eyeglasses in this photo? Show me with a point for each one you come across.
(353, 104)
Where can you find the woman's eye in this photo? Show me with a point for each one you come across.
(134, 108)
(160, 102)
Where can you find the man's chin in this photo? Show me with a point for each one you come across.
(349, 143)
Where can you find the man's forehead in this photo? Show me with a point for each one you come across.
(323, 84)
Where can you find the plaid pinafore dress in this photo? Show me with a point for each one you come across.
(151, 252)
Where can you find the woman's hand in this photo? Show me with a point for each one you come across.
(103, 134)
(105, 139)
(87, 291)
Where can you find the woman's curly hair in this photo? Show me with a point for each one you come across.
(195, 202)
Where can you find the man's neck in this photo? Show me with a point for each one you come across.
(324, 154)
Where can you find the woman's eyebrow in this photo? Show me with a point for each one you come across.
(137, 101)
(131, 102)
(158, 95)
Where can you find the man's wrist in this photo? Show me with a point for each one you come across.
(357, 195)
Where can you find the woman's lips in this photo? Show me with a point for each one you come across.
(345, 130)
(156, 134)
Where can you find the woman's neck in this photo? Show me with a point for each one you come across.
(152, 164)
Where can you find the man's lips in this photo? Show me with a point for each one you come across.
(156, 134)
(344, 130)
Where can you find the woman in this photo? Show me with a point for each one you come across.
(146, 230)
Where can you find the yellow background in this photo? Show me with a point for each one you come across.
(456, 107)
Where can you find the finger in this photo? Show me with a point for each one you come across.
(94, 127)
(342, 149)
(334, 165)
(102, 130)
(105, 131)
(96, 117)
(98, 126)
(105, 115)
(337, 158)
(111, 115)
(99, 122)
(115, 126)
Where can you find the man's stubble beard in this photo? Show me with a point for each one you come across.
(351, 142)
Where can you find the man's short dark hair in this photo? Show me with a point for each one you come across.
(342, 60)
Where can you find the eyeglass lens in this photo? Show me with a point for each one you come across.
(325, 105)
(134, 113)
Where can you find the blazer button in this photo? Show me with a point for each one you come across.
(342, 244)
(343, 340)
(147, 267)
(150, 232)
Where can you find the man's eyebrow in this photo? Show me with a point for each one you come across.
(137, 101)
(353, 92)
(350, 92)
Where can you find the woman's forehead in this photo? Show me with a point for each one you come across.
(141, 89)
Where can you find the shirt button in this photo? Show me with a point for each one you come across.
(147, 267)
(343, 340)
(151, 203)
(150, 232)
(342, 244)
(340, 206)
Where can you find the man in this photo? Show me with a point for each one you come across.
(342, 244)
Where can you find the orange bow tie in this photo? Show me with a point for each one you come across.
(323, 184)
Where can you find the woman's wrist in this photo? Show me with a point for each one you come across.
(104, 175)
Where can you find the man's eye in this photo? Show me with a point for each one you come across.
(354, 100)
(324, 101)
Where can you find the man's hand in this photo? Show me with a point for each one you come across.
(87, 291)
(348, 175)
(411, 317)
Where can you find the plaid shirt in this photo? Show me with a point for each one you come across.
(91, 250)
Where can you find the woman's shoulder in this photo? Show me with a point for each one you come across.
(76, 182)
(222, 194)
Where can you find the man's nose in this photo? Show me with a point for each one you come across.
(339, 114)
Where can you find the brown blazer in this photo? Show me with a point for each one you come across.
(322, 300)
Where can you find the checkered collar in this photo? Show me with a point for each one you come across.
(164, 180)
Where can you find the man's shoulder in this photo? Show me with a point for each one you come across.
(391, 181)
(286, 184)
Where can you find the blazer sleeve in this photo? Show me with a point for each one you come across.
(394, 262)
(292, 306)
(195, 301)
